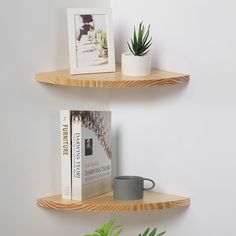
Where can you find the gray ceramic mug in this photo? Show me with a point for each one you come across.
(130, 187)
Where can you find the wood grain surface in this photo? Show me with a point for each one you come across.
(152, 201)
(112, 80)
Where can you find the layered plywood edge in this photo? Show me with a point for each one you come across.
(112, 80)
(152, 201)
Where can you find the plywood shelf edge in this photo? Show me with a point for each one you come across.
(112, 80)
(152, 201)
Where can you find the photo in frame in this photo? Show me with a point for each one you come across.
(91, 43)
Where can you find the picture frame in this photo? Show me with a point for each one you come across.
(91, 43)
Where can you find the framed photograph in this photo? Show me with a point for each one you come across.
(91, 43)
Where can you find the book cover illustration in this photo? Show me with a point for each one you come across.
(91, 153)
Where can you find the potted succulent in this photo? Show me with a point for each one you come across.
(137, 62)
(110, 229)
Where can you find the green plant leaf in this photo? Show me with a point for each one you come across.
(147, 43)
(146, 35)
(107, 229)
(132, 44)
(145, 53)
(153, 232)
(118, 232)
(146, 232)
(145, 38)
(131, 49)
(145, 48)
(93, 234)
(140, 36)
(162, 233)
(135, 38)
(108, 225)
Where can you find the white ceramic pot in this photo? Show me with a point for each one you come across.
(135, 65)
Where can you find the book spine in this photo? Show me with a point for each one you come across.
(76, 137)
(65, 154)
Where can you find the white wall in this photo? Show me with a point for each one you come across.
(33, 39)
(183, 137)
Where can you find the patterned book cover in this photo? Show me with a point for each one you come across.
(91, 153)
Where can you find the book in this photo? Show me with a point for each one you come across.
(65, 154)
(91, 153)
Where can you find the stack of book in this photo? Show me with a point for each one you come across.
(85, 153)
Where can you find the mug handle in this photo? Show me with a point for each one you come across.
(153, 184)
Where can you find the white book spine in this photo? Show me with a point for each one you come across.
(76, 136)
(65, 154)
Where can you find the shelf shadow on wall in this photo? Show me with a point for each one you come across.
(84, 97)
(116, 151)
(116, 95)
(130, 221)
(143, 95)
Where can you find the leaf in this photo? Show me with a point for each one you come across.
(93, 234)
(153, 232)
(150, 41)
(118, 232)
(146, 47)
(130, 49)
(144, 50)
(145, 38)
(107, 229)
(140, 38)
(162, 233)
(135, 38)
(146, 35)
(132, 42)
(108, 225)
(146, 232)
(140, 34)
(143, 54)
(134, 48)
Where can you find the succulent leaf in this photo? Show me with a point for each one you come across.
(135, 38)
(162, 233)
(131, 49)
(146, 232)
(152, 233)
(108, 229)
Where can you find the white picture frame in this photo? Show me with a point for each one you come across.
(91, 43)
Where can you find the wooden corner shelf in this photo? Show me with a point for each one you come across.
(152, 201)
(112, 80)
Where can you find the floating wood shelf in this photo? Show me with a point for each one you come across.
(152, 201)
(112, 80)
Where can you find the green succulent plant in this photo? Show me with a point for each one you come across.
(154, 232)
(108, 229)
(140, 43)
